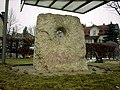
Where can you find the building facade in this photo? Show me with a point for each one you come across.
(96, 34)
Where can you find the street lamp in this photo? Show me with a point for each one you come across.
(5, 32)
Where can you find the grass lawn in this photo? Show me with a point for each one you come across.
(110, 64)
(12, 81)
(18, 61)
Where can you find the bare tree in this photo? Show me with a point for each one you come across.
(12, 20)
(115, 5)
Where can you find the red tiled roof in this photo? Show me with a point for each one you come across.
(86, 30)
(102, 29)
(19, 35)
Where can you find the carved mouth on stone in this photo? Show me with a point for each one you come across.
(54, 58)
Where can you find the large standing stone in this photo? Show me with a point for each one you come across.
(59, 44)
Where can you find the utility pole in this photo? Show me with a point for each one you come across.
(5, 32)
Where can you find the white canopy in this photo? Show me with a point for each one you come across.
(77, 6)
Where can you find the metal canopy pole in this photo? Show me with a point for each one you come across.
(5, 32)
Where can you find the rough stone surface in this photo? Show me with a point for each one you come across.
(1, 26)
(59, 44)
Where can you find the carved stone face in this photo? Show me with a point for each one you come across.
(59, 44)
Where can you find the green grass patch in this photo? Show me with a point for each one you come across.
(18, 61)
(112, 65)
(13, 81)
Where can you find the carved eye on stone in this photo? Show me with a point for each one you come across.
(60, 32)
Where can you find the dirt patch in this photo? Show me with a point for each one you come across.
(30, 70)
(96, 69)
(112, 62)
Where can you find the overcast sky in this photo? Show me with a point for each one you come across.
(29, 14)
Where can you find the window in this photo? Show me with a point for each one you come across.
(94, 33)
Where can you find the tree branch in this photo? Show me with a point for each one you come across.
(118, 5)
(115, 5)
(117, 11)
